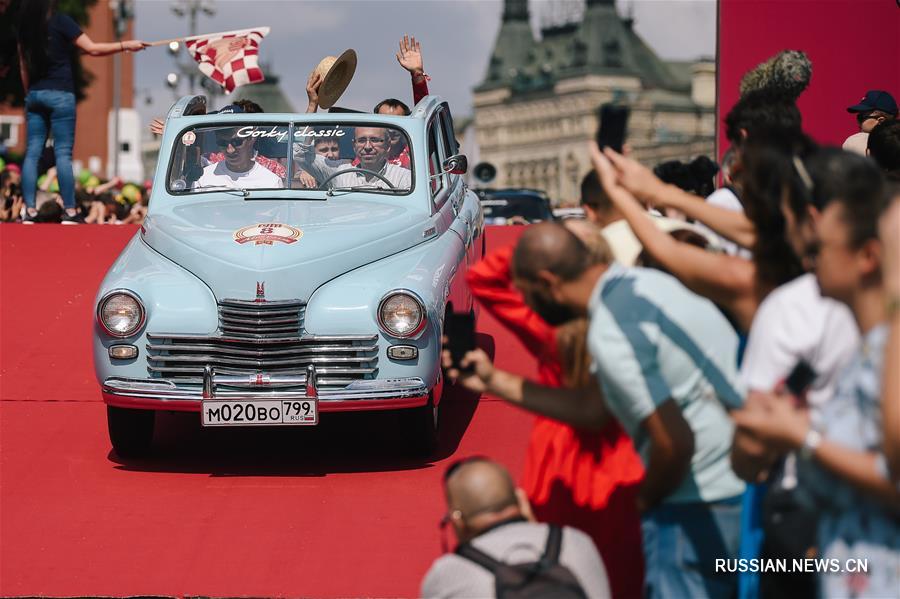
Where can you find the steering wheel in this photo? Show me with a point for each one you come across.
(357, 170)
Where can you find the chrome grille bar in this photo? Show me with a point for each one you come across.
(199, 369)
(260, 353)
(255, 319)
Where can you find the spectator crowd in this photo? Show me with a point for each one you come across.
(717, 401)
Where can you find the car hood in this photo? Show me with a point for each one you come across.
(335, 236)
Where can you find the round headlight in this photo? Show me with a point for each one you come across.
(120, 314)
(401, 314)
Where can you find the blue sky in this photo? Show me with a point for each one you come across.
(457, 37)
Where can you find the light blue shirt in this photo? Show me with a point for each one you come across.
(652, 339)
(853, 524)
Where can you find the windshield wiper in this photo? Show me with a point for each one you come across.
(388, 190)
(227, 189)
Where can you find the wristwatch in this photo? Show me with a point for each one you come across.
(810, 443)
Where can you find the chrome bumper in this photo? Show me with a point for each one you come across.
(162, 394)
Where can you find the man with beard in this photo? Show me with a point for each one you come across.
(665, 360)
(238, 169)
(371, 146)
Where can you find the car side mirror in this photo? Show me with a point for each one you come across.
(457, 164)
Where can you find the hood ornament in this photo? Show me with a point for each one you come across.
(260, 291)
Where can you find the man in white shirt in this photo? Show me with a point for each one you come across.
(239, 170)
(371, 146)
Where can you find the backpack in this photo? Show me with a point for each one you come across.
(543, 578)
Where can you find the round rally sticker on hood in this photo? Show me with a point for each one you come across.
(267, 234)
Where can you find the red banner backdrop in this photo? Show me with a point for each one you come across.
(854, 46)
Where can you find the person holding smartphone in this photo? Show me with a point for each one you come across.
(572, 476)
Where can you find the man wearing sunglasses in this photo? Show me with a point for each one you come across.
(876, 107)
(489, 514)
(238, 169)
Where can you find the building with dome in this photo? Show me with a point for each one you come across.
(536, 109)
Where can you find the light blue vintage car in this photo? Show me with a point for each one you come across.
(290, 264)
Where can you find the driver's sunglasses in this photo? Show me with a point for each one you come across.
(234, 142)
(375, 141)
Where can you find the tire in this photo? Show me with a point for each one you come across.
(130, 431)
(420, 427)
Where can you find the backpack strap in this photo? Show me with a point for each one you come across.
(554, 546)
(472, 553)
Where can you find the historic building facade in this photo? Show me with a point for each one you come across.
(536, 110)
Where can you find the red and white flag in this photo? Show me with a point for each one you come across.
(231, 59)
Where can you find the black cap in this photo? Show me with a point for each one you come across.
(875, 99)
(230, 109)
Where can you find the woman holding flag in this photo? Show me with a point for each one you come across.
(48, 44)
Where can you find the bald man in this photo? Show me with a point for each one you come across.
(490, 514)
(665, 359)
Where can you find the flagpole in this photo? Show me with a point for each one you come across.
(196, 37)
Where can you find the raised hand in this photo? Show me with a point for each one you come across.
(312, 91)
(635, 177)
(410, 55)
(609, 177)
(157, 126)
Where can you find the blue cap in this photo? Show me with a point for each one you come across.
(875, 99)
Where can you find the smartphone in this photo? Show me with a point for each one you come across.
(613, 124)
(460, 336)
(800, 379)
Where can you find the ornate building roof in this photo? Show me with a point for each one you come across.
(267, 94)
(602, 43)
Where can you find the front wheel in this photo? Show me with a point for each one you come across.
(420, 428)
(130, 431)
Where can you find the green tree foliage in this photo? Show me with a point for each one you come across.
(11, 92)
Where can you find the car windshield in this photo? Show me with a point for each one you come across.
(331, 157)
(531, 208)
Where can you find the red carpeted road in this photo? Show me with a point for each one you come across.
(332, 511)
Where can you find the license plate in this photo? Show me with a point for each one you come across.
(266, 412)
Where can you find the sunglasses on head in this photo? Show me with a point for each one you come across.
(234, 142)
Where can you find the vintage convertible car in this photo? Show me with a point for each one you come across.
(290, 264)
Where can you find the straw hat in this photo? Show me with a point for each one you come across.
(336, 75)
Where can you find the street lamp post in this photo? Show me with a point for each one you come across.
(191, 9)
(123, 11)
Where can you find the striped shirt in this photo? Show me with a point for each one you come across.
(652, 339)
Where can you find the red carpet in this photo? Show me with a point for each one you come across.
(333, 511)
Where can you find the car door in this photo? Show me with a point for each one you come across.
(468, 206)
(448, 193)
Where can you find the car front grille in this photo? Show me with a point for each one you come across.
(262, 337)
(259, 320)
